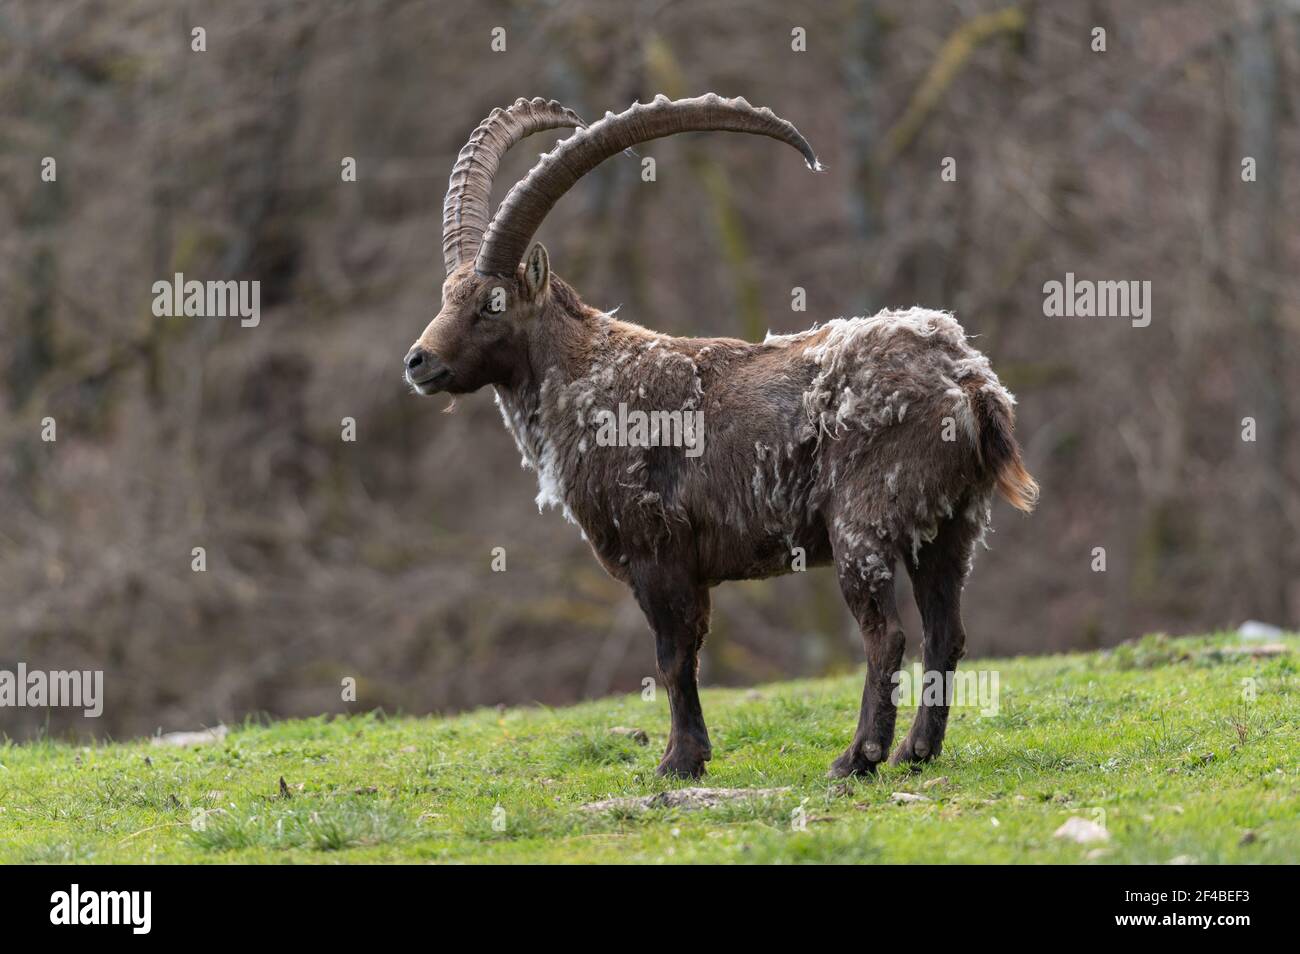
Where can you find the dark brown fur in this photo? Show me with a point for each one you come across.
(863, 443)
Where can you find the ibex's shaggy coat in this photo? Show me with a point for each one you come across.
(867, 442)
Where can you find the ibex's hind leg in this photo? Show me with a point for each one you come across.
(678, 612)
(866, 579)
(937, 580)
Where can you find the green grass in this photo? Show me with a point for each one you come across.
(1155, 740)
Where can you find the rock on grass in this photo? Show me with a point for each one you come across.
(1082, 831)
(184, 740)
(684, 798)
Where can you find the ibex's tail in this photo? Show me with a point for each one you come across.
(1000, 452)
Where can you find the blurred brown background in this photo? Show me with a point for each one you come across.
(328, 559)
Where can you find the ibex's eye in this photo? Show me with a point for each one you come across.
(495, 302)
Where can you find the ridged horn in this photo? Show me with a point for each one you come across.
(465, 209)
(526, 205)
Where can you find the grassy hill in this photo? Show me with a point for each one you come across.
(1156, 742)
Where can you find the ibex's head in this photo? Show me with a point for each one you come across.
(480, 334)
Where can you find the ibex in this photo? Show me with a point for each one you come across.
(865, 442)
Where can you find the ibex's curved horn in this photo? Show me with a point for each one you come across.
(465, 210)
(523, 209)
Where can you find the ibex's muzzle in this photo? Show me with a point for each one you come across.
(425, 372)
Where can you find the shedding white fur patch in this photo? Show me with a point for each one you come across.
(852, 365)
(537, 453)
(848, 390)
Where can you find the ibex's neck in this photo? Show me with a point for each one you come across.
(564, 341)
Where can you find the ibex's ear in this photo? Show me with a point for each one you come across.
(537, 272)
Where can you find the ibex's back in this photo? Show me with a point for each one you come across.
(869, 442)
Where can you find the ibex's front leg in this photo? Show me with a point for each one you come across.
(678, 611)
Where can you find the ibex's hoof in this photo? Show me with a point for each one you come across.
(680, 768)
(913, 752)
(856, 761)
(684, 759)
